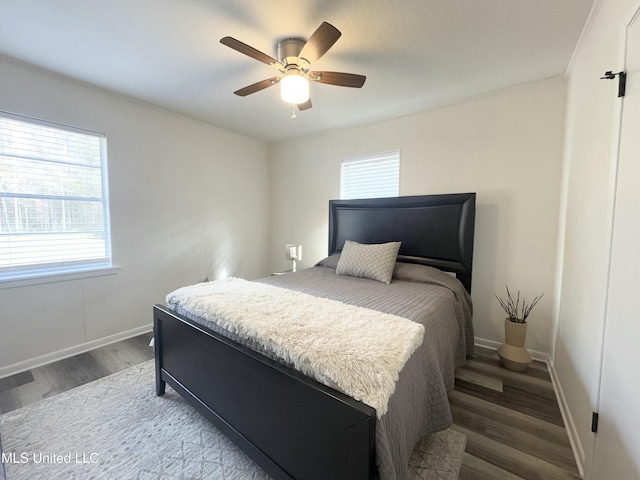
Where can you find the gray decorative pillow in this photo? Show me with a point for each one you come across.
(374, 261)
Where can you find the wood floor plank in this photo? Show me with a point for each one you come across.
(63, 375)
(517, 398)
(521, 421)
(496, 370)
(512, 460)
(16, 380)
(479, 378)
(11, 400)
(518, 431)
(474, 468)
(536, 368)
(125, 354)
(72, 372)
(534, 445)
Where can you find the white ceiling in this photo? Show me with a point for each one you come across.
(416, 54)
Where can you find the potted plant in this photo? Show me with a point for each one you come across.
(512, 352)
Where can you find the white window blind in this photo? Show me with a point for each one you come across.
(371, 176)
(54, 207)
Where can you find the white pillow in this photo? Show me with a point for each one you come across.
(374, 261)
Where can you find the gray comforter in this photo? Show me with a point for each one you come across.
(423, 294)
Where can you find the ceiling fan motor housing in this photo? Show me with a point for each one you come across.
(289, 49)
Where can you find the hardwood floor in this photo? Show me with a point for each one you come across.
(43, 382)
(512, 421)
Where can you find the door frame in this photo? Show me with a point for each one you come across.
(631, 17)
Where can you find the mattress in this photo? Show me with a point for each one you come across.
(422, 294)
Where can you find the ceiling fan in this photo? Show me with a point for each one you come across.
(295, 57)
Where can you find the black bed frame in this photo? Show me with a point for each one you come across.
(291, 425)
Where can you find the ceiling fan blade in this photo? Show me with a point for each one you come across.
(322, 40)
(256, 87)
(339, 78)
(247, 50)
(305, 106)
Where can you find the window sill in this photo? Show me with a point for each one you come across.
(41, 278)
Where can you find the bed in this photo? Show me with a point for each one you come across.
(292, 425)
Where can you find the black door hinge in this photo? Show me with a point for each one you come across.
(622, 81)
(594, 422)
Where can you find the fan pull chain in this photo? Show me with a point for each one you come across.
(293, 111)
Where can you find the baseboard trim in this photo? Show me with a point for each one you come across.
(71, 351)
(570, 426)
(567, 418)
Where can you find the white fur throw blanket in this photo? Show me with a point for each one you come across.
(353, 349)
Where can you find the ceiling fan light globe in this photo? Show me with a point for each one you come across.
(294, 89)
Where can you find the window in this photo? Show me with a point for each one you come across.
(54, 206)
(371, 176)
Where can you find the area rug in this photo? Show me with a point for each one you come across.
(117, 428)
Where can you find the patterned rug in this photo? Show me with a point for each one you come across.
(117, 428)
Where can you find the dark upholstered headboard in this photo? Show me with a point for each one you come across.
(435, 230)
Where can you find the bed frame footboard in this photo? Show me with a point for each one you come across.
(292, 426)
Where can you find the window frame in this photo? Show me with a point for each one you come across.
(62, 270)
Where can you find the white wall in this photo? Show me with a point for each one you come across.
(586, 219)
(188, 200)
(505, 147)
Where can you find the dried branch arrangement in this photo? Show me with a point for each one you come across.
(517, 309)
